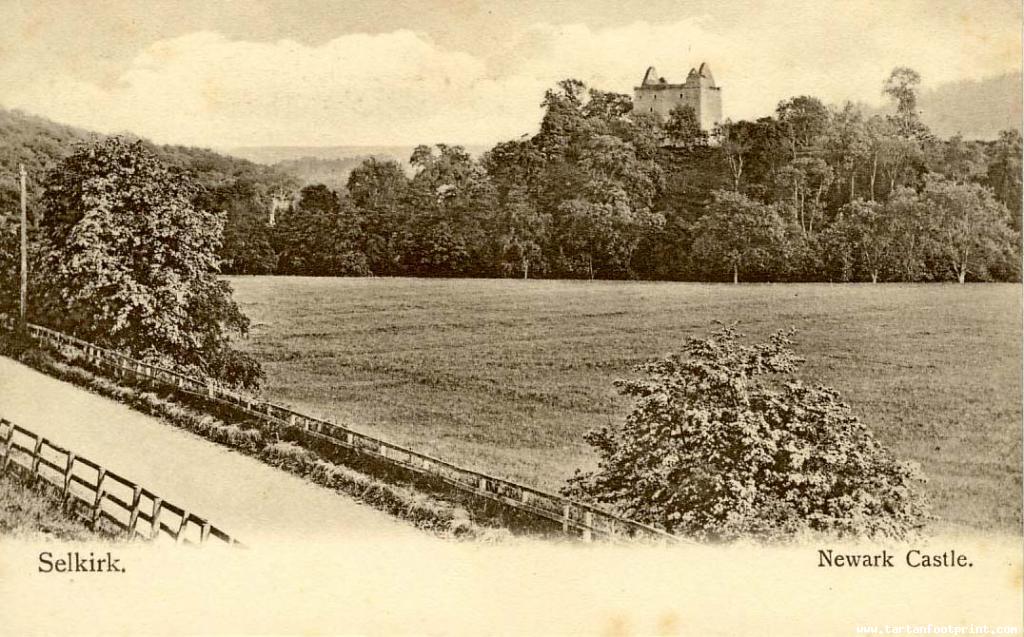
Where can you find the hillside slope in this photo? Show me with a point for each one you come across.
(974, 109)
(39, 144)
(329, 165)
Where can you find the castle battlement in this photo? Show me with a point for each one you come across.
(657, 96)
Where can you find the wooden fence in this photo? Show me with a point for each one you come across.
(106, 496)
(576, 518)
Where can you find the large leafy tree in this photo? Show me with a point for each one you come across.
(846, 147)
(130, 262)
(602, 237)
(450, 201)
(10, 261)
(738, 235)
(247, 244)
(598, 179)
(521, 232)
(910, 225)
(970, 233)
(959, 160)
(378, 189)
(869, 233)
(1004, 174)
(735, 139)
(803, 121)
(902, 87)
(724, 443)
(683, 128)
(321, 236)
(802, 184)
(564, 117)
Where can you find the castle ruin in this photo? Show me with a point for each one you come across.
(656, 96)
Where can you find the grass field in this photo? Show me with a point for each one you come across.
(507, 376)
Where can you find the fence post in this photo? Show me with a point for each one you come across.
(35, 457)
(565, 517)
(482, 486)
(588, 521)
(524, 495)
(209, 388)
(67, 476)
(8, 444)
(158, 506)
(181, 527)
(100, 494)
(204, 533)
(133, 520)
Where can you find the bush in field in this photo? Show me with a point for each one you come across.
(723, 443)
(130, 262)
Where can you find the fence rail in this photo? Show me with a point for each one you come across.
(576, 518)
(107, 496)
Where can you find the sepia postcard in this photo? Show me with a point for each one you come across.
(469, 317)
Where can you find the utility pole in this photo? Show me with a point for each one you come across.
(24, 253)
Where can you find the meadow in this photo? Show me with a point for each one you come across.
(506, 376)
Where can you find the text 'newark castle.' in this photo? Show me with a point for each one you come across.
(655, 95)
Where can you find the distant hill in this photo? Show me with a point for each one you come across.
(975, 109)
(35, 142)
(274, 154)
(40, 144)
(328, 165)
(269, 155)
(332, 173)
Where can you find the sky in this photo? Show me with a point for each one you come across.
(320, 73)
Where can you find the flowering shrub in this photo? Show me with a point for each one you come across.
(724, 443)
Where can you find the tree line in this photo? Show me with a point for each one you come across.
(811, 193)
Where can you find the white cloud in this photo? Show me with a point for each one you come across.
(402, 87)
(204, 88)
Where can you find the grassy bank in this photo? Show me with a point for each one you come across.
(29, 512)
(286, 450)
(507, 376)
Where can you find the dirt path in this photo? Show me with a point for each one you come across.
(241, 495)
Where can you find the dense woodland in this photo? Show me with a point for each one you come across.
(811, 193)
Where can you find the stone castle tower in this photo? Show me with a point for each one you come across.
(655, 95)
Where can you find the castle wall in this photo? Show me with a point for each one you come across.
(657, 97)
(710, 113)
(660, 100)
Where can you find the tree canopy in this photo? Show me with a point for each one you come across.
(602, 191)
(130, 261)
(724, 443)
